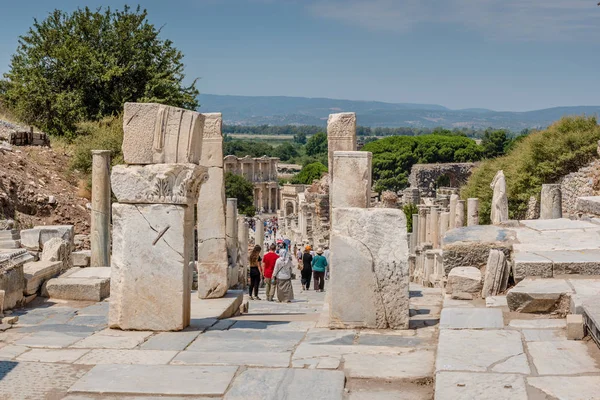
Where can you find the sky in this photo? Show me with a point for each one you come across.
(512, 55)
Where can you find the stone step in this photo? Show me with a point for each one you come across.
(548, 264)
(591, 317)
(37, 272)
(9, 235)
(10, 244)
(91, 284)
(539, 295)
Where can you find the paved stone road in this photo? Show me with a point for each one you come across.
(277, 351)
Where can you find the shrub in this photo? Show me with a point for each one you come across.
(541, 157)
(309, 173)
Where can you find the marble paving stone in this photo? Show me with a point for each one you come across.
(222, 325)
(449, 302)
(470, 386)
(389, 340)
(389, 395)
(414, 365)
(168, 380)
(53, 355)
(538, 323)
(275, 325)
(113, 339)
(59, 328)
(471, 318)
(170, 341)
(586, 287)
(111, 397)
(95, 309)
(481, 351)
(561, 358)
(543, 335)
(53, 340)
(289, 384)
(11, 351)
(567, 388)
(249, 358)
(142, 357)
(332, 337)
(246, 340)
(89, 320)
(496, 301)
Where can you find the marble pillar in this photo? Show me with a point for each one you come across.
(453, 202)
(444, 226)
(434, 227)
(472, 211)
(341, 135)
(231, 231)
(459, 220)
(100, 221)
(259, 234)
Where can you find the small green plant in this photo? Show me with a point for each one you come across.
(409, 210)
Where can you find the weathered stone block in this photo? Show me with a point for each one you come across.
(496, 274)
(370, 254)
(527, 264)
(57, 249)
(82, 289)
(353, 186)
(575, 327)
(36, 273)
(35, 238)
(12, 283)
(157, 183)
(540, 295)
(341, 134)
(588, 205)
(159, 134)
(81, 258)
(212, 141)
(150, 279)
(464, 279)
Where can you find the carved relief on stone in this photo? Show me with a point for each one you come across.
(158, 183)
(156, 133)
(213, 124)
(342, 125)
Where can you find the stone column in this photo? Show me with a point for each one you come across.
(231, 231)
(243, 261)
(341, 135)
(551, 202)
(212, 246)
(100, 224)
(415, 230)
(422, 224)
(459, 220)
(434, 225)
(453, 203)
(259, 234)
(472, 211)
(269, 200)
(429, 266)
(428, 225)
(351, 184)
(444, 225)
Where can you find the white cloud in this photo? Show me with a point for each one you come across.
(499, 19)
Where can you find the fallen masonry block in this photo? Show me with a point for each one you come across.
(37, 272)
(540, 296)
(591, 317)
(465, 280)
(81, 258)
(10, 244)
(90, 289)
(57, 249)
(35, 238)
(9, 234)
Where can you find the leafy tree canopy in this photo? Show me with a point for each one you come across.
(495, 143)
(84, 65)
(236, 186)
(317, 144)
(309, 173)
(394, 156)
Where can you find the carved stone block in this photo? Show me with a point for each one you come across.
(158, 183)
(157, 134)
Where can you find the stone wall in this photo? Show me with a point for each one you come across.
(425, 177)
(585, 182)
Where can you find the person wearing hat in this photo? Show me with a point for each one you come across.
(306, 272)
(319, 263)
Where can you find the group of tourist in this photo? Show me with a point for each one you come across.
(313, 265)
(276, 270)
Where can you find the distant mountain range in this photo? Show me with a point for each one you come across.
(281, 110)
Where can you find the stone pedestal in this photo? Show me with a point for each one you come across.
(459, 220)
(341, 135)
(153, 238)
(370, 253)
(351, 186)
(551, 202)
(150, 281)
(472, 211)
(453, 203)
(100, 221)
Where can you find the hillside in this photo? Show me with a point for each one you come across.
(280, 110)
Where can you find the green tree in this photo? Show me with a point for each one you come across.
(84, 65)
(285, 152)
(317, 144)
(309, 173)
(236, 186)
(300, 138)
(495, 143)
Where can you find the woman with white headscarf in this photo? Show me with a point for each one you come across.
(283, 274)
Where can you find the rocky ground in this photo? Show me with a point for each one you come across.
(37, 188)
